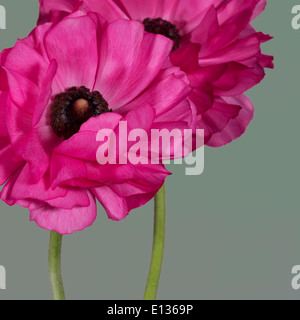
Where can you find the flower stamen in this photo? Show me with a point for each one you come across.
(165, 28)
(70, 109)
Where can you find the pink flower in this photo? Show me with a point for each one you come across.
(214, 43)
(58, 88)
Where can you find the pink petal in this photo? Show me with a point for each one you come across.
(44, 98)
(79, 34)
(140, 10)
(227, 33)
(149, 177)
(260, 7)
(74, 197)
(237, 79)
(179, 148)
(216, 118)
(139, 200)
(36, 150)
(162, 95)
(81, 173)
(77, 145)
(129, 60)
(7, 164)
(53, 10)
(18, 122)
(189, 9)
(25, 61)
(205, 28)
(25, 92)
(65, 221)
(108, 120)
(3, 102)
(22, 186)
(186, 57)
(140, 118)
(115, 206)
(204, 76)
(236, 126)
(107, 8)
(235, 7)
(266, 61)
(36, 146)
(239, 50)
(182, 112)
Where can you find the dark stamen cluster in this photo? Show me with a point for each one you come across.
(73, 107)
(165, 28)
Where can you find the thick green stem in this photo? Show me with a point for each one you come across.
(158, 245)
(55, 266)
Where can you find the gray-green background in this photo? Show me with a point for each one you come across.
(232, 233)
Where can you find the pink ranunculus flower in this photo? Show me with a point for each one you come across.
(58, 87)
(214, 43)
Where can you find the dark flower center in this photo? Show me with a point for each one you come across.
(70, 109)
(167, 29)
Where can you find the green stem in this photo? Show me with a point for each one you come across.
(55, 266)
(158, 245)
